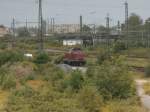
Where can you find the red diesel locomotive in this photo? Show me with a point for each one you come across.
(75, 57)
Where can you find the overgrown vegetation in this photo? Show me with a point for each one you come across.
(9, 56)
(42, 58)
(39, 85)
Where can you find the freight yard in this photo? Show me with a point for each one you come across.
(83, 66)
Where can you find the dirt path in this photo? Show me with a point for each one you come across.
(145, 99)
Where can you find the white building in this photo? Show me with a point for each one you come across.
(72, 42)
(3, 31)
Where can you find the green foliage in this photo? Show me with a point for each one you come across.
(86, 28)
(23, 32)
(119, 46)
(128, 105)
(103, 56)
(135, 22)
(23, 91)
(42, 58)
(26, 78)
(90, 72)
(10, 56)
(7, 80)
(90, 100)
(76, 80)
(114, 81)
(3, 46)
(58, 59)
(44, 100)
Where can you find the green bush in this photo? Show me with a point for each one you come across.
(90, 72)
(76, 80)
(23, 91)
(7, 80)
(42, 58)
(26, 78)
(114, 81)
(3, 46)
(119, 46)
(103, 56)
(10, 56)
(90, 100)
(58, 59)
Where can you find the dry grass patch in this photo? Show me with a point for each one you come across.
(3, 99)
(147, 88)
(35, 84)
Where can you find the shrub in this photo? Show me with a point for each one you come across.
(10, 56)
(58, 59)
(42, 58)
(3, 46)
(7, 80)
(76, 80)
(103, 56)
(119, 46)
(26, 78)
(52, 73)
(90, 100)
(90, 72)
(23, 91)
(114, 81)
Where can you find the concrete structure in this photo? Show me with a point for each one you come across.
(3, 31)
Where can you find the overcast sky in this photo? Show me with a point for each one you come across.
(68, 11)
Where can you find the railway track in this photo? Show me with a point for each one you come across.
(139, 69)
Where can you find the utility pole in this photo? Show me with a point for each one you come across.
(126, 22)
(81, 24)
(51, 25)
(118, 27)
(108, 28)
(26, 27)
(26, 23)
(40, 28)
(13, 32)
(53, 22)
(108, 23)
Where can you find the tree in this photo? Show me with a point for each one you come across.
(147, 25)
(23, 32)
(101, 29)
(86, 28)
(135, 22)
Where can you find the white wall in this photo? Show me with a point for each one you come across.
(72, 42)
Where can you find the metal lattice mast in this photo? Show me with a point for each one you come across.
(40, 28)
(108, 23)
(108, 28)
(126, 22)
